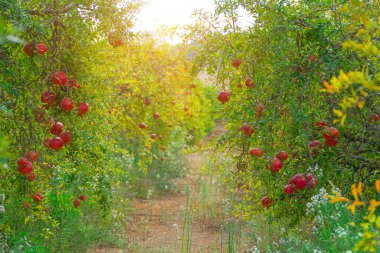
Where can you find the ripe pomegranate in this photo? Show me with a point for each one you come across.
(142, 126)
(82, 197)
(49, 98)
(282, 155)
(37, 197)
(289, 189)
(41, 48)
(299, 181)
(22, 161)
(266, 201)
(311, 180)
(26, 205)
(147, 101)
(331, 142)
(224, 96)
(32, 155)
(24, 166)
(59, 78)
(236, 63)
(28, 48)
(330, 133)
(259, 108)
(312, 57)
(66, 137)
(76, 203)
(249, 83)
(315, 144)
(247, 129)
(156, 115)
(187, 93)
(119, 43)
(173, 102)
(258, 152)
(153, 136)
(57, 128)
(114, 39)
(374, 117)
(83, 108)
(56, 143)
(74, 84)
(67, 104)
(275, 165)
(192, 86)
(31, 176)
(185, 108)
(320, 124)
(333, 132)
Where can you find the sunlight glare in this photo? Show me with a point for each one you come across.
(157, 13)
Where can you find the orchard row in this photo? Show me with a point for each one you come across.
(61, 137)
(298, 181)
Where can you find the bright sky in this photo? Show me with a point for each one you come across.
(169, 12)
(157, 13)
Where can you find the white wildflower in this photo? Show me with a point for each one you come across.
(149, 194)
(340, 232)
(255, 250)
(316, 170)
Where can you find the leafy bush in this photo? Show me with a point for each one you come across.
(115, 72)
(275, 71)
(328, 228)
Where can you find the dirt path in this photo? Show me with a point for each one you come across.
(177, 223)
(187, 220)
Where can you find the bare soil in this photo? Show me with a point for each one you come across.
(185, 217)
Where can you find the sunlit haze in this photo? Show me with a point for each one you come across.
(158, 13)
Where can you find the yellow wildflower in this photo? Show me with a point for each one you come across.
(328, 86)
(355, 204)
(337, 199)
(356, 190)
(377, 186)
(373, 204)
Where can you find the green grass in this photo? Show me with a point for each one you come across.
(62, 228)
(186, 232)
